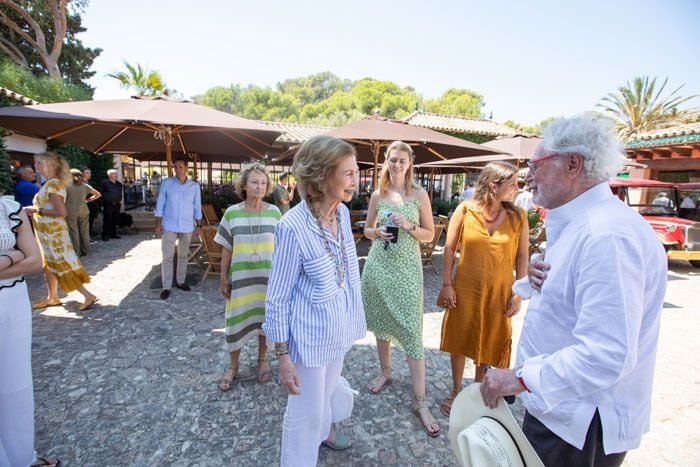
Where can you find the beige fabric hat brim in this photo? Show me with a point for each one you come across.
(468, 407)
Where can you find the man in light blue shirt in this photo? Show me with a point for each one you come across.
(178, 214)
(586, 356)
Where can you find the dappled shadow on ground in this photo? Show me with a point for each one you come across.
(135, 384)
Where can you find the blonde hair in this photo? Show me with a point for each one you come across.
(77, 176)
(493, 172)
(58, 165)
(315, 162)
(242, 179)
(384, 178)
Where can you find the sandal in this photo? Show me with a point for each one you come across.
(263, 374)
(339, 443)
(88, 303)
(374, 387)
(446, 405)
(48, 462)
(420, 409)
(45, 304)
(225, 384)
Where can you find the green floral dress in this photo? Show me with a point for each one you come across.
(392, 285)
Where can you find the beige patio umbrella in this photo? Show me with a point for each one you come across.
(144, 125)
(373, 135)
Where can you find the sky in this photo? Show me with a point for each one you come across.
(530, 60)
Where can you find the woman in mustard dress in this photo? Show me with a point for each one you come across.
(493, 233)
(61, 264)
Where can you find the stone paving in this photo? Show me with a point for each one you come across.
(132, 381)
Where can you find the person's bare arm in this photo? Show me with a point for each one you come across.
(454, 232)
(26, 257)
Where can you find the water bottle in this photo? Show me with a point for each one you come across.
(391, 228)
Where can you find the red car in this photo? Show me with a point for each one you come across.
(670, 215)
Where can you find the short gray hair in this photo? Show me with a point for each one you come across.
(23, 169)
(111, 171)
(592, 137)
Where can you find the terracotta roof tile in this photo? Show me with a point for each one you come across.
(676, 134)
(295, 133)
(456, 124)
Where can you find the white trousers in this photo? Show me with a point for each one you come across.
(183, 252)
(16, 390)
(307, 420)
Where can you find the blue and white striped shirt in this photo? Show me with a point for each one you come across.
(304, 305)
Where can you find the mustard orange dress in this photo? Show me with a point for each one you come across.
(477, 327)
(57, 252)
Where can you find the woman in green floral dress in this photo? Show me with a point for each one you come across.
(392, 279)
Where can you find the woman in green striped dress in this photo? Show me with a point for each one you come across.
(246, 233)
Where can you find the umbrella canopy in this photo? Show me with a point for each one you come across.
(372, 135)
(463, 164)
(522, 147)
(143, 125)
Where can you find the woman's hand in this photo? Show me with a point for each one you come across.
(30, 210)
(449, 296)
(288, 375)
(401, 221)
(225, 288)
(513, 306)
(381, 234)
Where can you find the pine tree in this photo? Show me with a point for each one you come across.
(6, 184)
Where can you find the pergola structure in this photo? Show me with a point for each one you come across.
(669, 154)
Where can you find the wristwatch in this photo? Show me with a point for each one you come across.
(519, 375)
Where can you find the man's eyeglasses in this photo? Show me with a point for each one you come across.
(533, 165)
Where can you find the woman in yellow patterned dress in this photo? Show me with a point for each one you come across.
(61, 264)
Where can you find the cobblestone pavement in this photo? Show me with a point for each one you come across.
(132, 381)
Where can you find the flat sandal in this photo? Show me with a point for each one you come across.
(386, 374)
(227, 381)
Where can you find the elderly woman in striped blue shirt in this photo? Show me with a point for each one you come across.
(314, 307)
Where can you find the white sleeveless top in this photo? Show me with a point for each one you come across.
(9, 221)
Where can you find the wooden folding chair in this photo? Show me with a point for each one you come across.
(196, 246)
(213, 250)
(209, 214)
(358, 227)
(428, 248)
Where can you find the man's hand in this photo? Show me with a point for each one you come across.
(537, 272)
(498, 383)
(159, 228)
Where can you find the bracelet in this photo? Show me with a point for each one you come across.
(281, 348)
(12, 261)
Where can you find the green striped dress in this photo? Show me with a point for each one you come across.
(249, 238)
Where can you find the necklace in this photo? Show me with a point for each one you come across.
(491, 220)
(339, 263)
(254, 256)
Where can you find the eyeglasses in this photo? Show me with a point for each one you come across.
(533, 165)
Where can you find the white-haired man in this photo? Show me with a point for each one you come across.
(112, 193)
(586, 356)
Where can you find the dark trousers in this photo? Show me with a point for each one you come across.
(556, 452)
(109, 223)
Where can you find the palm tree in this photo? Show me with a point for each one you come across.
(146, 83)
(636, 107)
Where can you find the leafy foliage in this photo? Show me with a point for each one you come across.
(533, 130)
(40, 88)
(326, 99)
(68, 58)
(78, 157)
(457, 102)
(144, 82)
(638, 106)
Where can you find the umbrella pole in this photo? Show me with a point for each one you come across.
(169, 160)
(376, 163)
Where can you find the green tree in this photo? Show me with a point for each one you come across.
(144, 82)
(313, 88)
(462, 102)
(224, 98)
(639, 106)
(41, 36)
(532, 130)
(40, 88)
